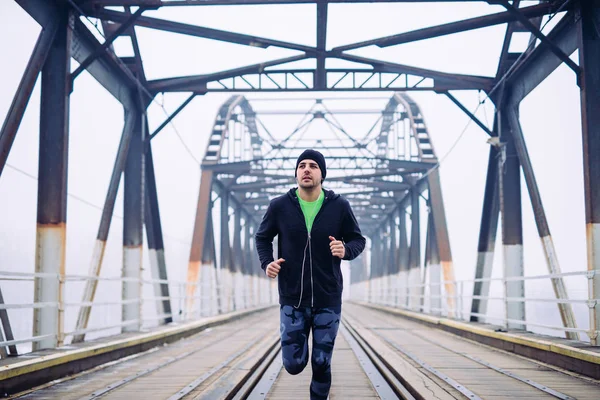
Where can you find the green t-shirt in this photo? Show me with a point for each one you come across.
(310, 209)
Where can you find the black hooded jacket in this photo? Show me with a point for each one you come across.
(310, 275)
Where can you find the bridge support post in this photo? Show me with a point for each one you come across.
(442, 238)
(509, 178)
(248, 266)
(403, 257)
(589, 62)
(19, 104)
(385, 263)
(238, 281)
(415, 250)
(225, 265)
(393, 263)
(156, 247)
(487, 238)
(52, 187)
(373, 273)
(560, 290)
(432, 260)
(201, 254)
(133, 231)
(104, 228)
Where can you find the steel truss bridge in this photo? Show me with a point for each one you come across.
(390, 174)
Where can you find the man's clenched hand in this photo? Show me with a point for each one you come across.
(273, 268)
(337, 247)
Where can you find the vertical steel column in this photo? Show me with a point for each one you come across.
(373, 273)
(225, 267)
(509, 175)
(403, 253)
(52, 187)
(238, 257)
(105, 221)
(393, 261)
(589, 62)
(321, 73)
(426, 265)
(199, 238)
(434, 267)
(209, 269)
(378, 267)
(487, 237)
(248, 256)
(415, 248)
(560, 290)
(436, 202)
(133, 231)
(385, 262)
(19, 103)
(156, 247)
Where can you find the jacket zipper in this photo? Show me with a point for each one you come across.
(312, 291)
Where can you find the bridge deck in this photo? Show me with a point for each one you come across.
(221, 359)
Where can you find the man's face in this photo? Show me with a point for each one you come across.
(308, 174)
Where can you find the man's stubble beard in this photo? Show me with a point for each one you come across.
(308, 186)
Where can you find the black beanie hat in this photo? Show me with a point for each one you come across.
(315, 156)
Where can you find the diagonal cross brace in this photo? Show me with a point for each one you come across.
(537, 33)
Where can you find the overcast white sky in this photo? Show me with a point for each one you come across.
(550, 118)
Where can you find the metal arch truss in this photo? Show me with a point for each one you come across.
(381, 173)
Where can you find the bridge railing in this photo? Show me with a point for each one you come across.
(231, 296)
(397, 291)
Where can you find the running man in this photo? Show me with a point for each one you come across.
(316, 230)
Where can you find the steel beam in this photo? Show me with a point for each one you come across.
(107, 42)
(403, 256)
(200, 31)
(52, 187)
(225, 259)
(442, 237)
(247, 263)
(457, 80)
(173, 115)
(394, 264)
(321, 74)
(450, 28)
(156, 247)
(589, 60)
(541, 62)
(133, 210)
(105, 220)
(487, 236)
(237, 263)
(509, 175)
(199, 238)
(21, 99)
(536, 32)
(432, 261)
(560, 290)
(198, 82)
(469, 113)
(415, 246)
(106, 69)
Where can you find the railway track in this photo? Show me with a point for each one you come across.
(377, 355)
